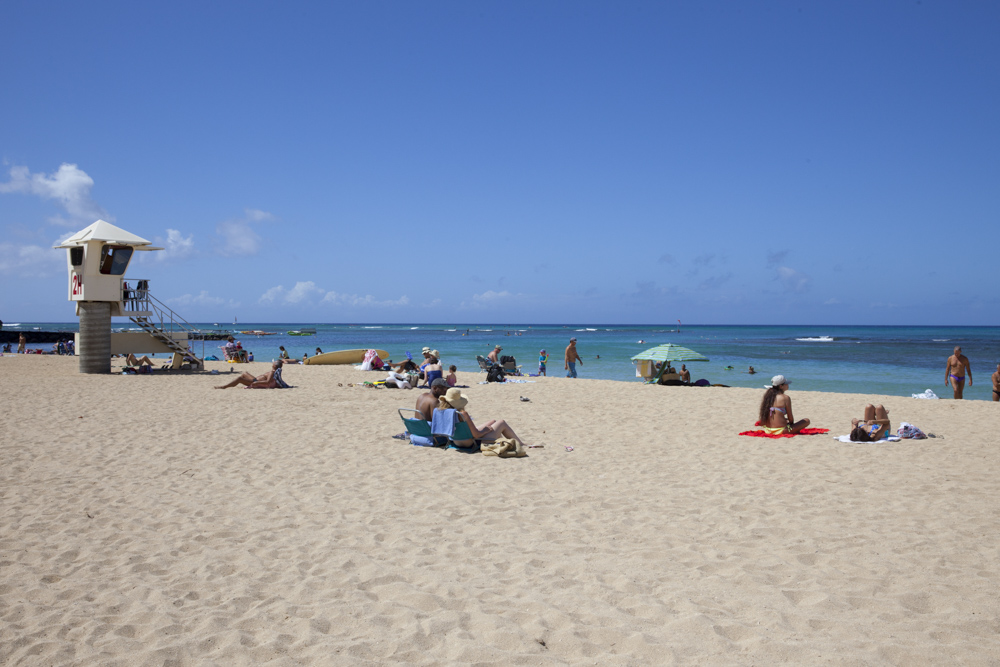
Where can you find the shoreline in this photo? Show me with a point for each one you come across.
(153, 518)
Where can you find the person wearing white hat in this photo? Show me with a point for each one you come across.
(775, 415)
(492, 430)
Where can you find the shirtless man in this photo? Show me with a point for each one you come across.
(685, 375)
(955, 370)
(996, 385)
(265, 381)
(572, 359)
(427, 401)
(21, 342)
(494, 356)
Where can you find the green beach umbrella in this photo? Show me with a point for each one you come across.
(669, 352)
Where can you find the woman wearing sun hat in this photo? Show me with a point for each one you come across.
(489, 432)
(775, 415)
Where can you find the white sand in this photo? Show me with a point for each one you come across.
(154, 520)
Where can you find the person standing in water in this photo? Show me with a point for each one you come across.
(572, 358)
(955, 370)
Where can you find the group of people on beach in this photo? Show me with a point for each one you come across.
(775, 415)
(443, 397)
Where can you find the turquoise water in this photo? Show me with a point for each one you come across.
(851, 359)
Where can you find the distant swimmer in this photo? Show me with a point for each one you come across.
(996, 385)
(642, 342)
(728, 368)
(751, 371)
(955, 370)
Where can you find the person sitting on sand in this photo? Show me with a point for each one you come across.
(319, 351)
(265, 381)
(775, 414)
(490, 431)
(284, 353)
(433, 370)
(428, 400)
(131, 360)
(873, 427)
(451, 378)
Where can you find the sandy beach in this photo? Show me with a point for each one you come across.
(152, 520)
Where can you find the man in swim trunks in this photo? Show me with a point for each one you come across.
(427, 401)
(572, 358)
(996, 385)
(685, 375)
(955, 370)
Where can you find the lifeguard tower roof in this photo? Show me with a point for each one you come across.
(106, 233)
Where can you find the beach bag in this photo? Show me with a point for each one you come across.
(505, 359)
(908, 431)
(495, 374)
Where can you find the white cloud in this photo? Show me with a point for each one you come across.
(175, 247)
(366, 301)
(306, 291)
(238, 237)
(792, 280)
(30, 260)
(256, 215)
(202, 299)
(302, 291)
(69, 186)
(488, 298)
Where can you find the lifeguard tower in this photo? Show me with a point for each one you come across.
(97, 258)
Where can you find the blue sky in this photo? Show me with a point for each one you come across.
(727, 162)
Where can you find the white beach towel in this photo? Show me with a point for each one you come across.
(888, 438)
(926, 394)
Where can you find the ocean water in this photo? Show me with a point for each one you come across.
(889, 360)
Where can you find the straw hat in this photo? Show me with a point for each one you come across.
(455, 398)
(435, 354)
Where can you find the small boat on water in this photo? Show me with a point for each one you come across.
(258, 332)
(302, 332)
(343, 357)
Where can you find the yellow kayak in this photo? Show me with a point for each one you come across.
(343, 357)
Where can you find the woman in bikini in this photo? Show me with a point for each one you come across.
(775, 413)
(873, 427)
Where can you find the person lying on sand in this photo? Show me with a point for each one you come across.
(130, 360)
(265, 381)
(874, 426)
(491, 430)
(775, 414)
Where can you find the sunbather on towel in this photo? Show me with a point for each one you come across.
(776, 409)
(131, 360)
(490, 431)
(265, 381)
(873, 427)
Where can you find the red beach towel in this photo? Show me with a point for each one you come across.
(763, 434)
